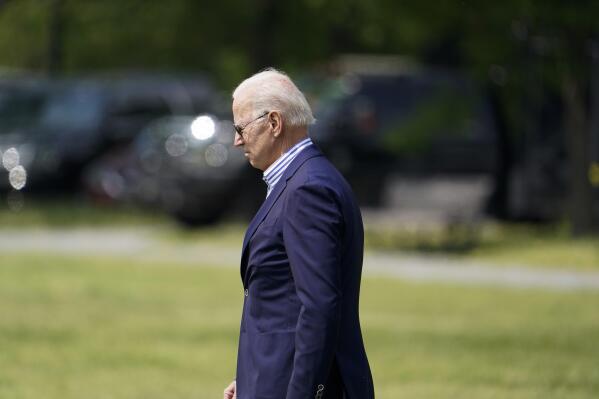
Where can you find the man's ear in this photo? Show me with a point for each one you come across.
(276, 123)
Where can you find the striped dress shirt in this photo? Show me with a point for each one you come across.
(274, 172)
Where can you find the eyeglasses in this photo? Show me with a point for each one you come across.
(240, 129)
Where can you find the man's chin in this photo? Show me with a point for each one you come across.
(256, 165)
(252, 162)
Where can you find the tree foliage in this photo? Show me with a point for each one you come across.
(527, 49)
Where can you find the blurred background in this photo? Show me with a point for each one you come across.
(469, 133)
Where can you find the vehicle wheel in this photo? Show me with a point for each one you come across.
(189, 220)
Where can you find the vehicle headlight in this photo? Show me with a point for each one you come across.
(203, 127)
(10, 159)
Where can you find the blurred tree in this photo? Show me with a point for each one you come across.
(527, 50)
(3, 2)
(543, 48)
(55, 37)
(22, 34)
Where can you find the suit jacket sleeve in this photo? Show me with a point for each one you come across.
(312, 234)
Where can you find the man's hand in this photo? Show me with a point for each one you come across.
(231, 391)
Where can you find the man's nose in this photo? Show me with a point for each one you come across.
(238, 140)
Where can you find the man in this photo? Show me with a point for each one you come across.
(301, 260)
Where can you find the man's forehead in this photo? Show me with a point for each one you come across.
(241, 106)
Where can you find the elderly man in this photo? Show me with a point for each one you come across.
(301, 260)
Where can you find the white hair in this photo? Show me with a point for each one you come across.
(271, 90)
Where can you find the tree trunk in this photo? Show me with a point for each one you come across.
(580, 199)
(265, 38)
(55, 38)
(594, 130)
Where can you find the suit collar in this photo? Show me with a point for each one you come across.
(307, 153)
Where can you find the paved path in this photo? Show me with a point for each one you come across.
(145, 244)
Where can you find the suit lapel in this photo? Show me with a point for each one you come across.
(302, 157)
(263, 211)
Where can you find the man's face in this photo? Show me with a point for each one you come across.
(257, 143)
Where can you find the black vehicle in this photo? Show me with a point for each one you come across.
(422, 139)
(184, 165)
(429, 138)
(420, 126)
(20, 105)
(63, 125)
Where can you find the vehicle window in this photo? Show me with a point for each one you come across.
(19, 108)
(421, 113)
(75, 108)
(146, 108)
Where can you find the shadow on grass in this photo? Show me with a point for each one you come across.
(456, 239)
(548, 245)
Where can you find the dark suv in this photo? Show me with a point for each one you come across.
(184, 165)
(373, 127)
(417, 138)
(62, 125)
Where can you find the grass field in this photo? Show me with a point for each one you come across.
(82, 327)
(74, 211)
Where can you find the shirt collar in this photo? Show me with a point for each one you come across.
(274, 172)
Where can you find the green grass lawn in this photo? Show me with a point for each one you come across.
(75, 211)
(77, 327)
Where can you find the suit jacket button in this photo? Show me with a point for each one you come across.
(319, 392)
(246, 292)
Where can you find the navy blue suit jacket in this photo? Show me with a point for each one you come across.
(301, 266)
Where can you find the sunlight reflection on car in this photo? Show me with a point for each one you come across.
(203, 127)
(185, 165)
